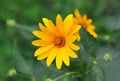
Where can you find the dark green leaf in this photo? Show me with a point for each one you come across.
(96, 73)
(21, 65)
(112, 69)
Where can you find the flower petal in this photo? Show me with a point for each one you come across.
(78, 36)
(71, 52)
(85, 18)
(70, 38)
(51, 56)
(37, 33)
(43, 56)
(73, 46)
(59, 25)
(89, 21)
(58, 20)
(46, 22)
(77, 13)
(58, 61)
(74, 29)
(43, 28)
(92, 32)
(40, 42)
(43, 35)
(42, 50)
(68, 22)
(64, 56)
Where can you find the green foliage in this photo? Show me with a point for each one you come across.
(90, 64)
(21, 65)
(96, 73)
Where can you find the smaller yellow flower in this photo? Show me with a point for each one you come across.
(85, 22)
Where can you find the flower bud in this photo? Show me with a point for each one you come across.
(48, 79)
(106, 37)
(10, 22)
(12, 72)
(95, 62)
(107, 57)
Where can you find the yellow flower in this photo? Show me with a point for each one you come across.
(56, 41)
(85, 22)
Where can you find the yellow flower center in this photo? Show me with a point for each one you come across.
(59, 42)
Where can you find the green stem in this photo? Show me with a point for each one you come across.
(82, 68)
(81, 61)
(23, 27)
(66, 74)
(28, 77)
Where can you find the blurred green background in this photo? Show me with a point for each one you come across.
(16, 52)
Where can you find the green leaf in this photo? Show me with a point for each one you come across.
(96, 73)
(88, 43)
(112, 69)
(21, 64)
(113, 22)
(100, 7)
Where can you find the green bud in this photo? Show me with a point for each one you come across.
(10, 22)
(107, 57)
(48, 79)
(106, 37)
(12, 72)
(95, 62)
(33, 79)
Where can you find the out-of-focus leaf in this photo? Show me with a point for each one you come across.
(96, 74)
(100, 7)
(47, 72)
(112, 69)
(116, 38)
(89, 43)
(68, 78)
(21, 65)
(113, 22)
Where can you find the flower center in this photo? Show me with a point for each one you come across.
(59, 42)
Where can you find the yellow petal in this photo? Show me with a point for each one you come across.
(68, 22)
(52, 27)
(51, 30)
(91, 32)
(51, 56)
(76, 21)
(84, 17)
(89, 21)
(70, 38)
(43, 35)
(71, 52)
(42, 50)
(46, 22)
(77, 13)
(40, 42)
(58, 20)
(74, 29)
(42, 27)
(90, 27)
(59, 25)
(73, 46)
(37, 33)
(78, 36)
(64, 56)
(58, 61)
(43, 56)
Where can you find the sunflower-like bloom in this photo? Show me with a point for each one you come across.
(56, 41)
(85, 23)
